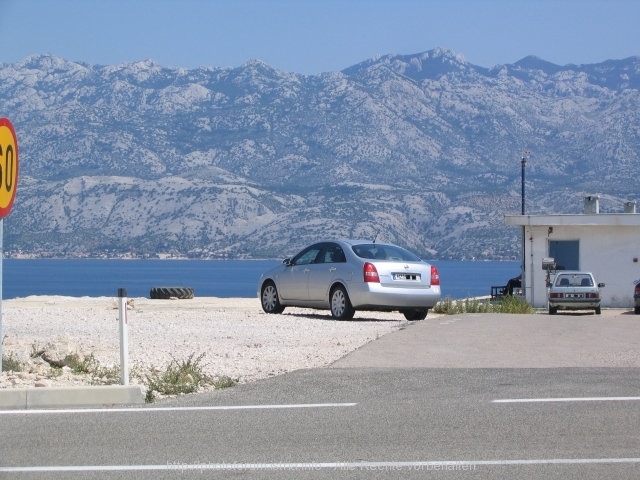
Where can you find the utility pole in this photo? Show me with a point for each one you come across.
(525, 156)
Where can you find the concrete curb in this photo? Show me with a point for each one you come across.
(53, 397)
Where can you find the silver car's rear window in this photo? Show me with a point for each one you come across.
(573, 280)
(376, 251)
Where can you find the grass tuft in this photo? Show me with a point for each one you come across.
(11, 363)
(88, 364)
(512, 304)
(35, 351)
(508, 304)
(180, 377)
(225, 382)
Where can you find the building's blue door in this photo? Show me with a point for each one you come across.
(566, 254)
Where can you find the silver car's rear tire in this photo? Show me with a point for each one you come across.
(598, 310)
(341, 308)
(417, 314)
(269, 299)
(553, 310)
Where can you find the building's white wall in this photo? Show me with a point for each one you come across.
(606, 251)
(535, 250)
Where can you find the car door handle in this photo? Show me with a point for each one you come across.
(332, 269)
(306, 270)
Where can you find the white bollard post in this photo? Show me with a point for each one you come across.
(124, 340)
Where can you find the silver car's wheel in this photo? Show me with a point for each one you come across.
(413, 315)
(341, 308)
(269, 299)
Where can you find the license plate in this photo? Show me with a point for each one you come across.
(574, 295)
(406, 276)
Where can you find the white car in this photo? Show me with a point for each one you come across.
(573, 290)
(348, 275)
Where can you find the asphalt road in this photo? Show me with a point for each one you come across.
(405, 421)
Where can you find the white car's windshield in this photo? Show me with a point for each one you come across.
(574, 280)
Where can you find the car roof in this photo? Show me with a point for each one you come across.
(363, 242)
(573, 272)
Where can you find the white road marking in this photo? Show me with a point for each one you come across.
(574, 399)
(310, 466)
(177, 409)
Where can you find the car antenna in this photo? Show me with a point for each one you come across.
(374, 238)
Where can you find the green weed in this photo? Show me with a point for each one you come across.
(513, 304)
(54, 372)
(108, 375)
(445, 307)
(11, 363)
(35, 351)
(508, 304)
(180, 377)
(88, 364)
(225, 382)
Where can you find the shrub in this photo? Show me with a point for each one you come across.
(508, 304)
(225, 382)
(54, 372)
(445, 306)
(179, 377)
(513, 304)
(11, 363)
(88, 364)
(109, 375)
(35, 351)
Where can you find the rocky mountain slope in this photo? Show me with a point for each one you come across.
(422, 150)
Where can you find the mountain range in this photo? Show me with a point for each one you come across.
(141, 160)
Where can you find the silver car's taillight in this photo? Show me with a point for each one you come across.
(370, 273)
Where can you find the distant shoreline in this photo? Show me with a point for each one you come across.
(8, 257)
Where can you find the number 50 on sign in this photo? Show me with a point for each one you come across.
(8, 166)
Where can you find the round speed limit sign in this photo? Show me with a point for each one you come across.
(8, 166)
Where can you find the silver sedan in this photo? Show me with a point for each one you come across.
(348, 275)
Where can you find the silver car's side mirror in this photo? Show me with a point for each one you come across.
(286, 261)
(600, 285)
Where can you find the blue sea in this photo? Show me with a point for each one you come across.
(209, 278)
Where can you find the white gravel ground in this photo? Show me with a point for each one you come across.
(239, 340)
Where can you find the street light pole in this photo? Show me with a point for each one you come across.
(524, 164)
(525, 155)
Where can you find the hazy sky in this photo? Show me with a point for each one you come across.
(317, 35)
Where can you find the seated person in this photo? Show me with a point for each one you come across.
(512, 284)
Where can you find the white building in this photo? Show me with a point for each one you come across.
(606, 244)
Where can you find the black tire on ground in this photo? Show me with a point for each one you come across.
(636, 310)
(598, 310)
(553, 310)
(269, 298)
(341, 308)
(417, 314)
(165, 293)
